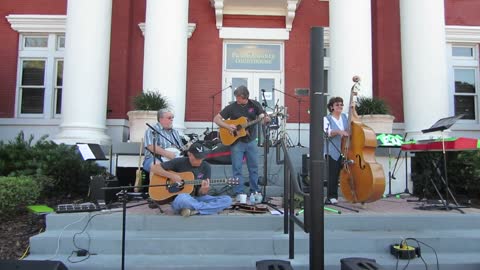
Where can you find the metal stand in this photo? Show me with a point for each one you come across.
(441, 125)
(299, 100)
(213, 101)
(124, 194)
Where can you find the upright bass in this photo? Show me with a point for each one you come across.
(362, 179)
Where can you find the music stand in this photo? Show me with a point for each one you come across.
(441, 125)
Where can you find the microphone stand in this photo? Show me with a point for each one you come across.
(213, 101)
(299, 100)
(123, 190)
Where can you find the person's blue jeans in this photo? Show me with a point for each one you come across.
(205, 205)
(250, 151)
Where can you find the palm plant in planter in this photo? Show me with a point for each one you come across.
(375, 113)
(146, 104)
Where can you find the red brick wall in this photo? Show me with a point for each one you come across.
(462, 12)
(297, 55)
(9, 45)
(126, 56)
(387, 59)
(204, 68)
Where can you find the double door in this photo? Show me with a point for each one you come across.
(263, 87)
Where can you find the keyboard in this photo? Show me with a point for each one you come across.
(75, 208)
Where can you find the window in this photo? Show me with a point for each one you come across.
(40, 80)
(464, 60)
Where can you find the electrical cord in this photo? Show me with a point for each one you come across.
(80, 250)
(405, 243)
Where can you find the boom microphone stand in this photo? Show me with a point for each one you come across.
(299, 100)
(213, 101)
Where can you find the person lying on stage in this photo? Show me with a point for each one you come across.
(201, 203)
(168, 140)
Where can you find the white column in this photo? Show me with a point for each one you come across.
(165, 54)
(86, 67)
(350, 47)
(424, 64)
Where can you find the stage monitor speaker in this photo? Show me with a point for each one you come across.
(273, 265)
(359, 264)
(98, 194)
(305, 165)
(31, 265)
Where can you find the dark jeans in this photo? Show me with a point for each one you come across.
(334, 167)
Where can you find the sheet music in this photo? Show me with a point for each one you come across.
(85, 151)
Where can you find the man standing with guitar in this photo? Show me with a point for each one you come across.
(185, 204)
(168, 142)
(242, 135)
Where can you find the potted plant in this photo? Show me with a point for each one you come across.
(375, 113)
(146, 104)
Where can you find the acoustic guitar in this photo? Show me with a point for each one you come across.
(228, 137)
(167, 189)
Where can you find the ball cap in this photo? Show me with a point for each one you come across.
(198, 150)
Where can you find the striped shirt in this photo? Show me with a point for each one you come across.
(167, 139)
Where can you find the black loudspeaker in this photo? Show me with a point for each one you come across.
(305, 165)
(273, 265)
(31, 265)
(97, 194)
(359, 264)
(220, 154)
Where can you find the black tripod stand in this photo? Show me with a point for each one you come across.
(299, 100)
(124, 195)
(441, 125)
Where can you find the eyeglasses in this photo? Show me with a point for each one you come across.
(169, 118)
(338, 105)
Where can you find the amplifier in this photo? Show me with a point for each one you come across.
(98, 182)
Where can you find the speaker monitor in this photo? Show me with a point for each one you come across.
(97, 193)
(31, 265)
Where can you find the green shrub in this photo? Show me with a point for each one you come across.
(58, 167)
(149, 101)
(463, 170)
(368, 105)
(16, 193)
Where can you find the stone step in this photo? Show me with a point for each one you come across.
(241, 242)
(447, 261)
(398, 222)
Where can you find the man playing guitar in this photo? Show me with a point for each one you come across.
(200, 203)
(245, 145)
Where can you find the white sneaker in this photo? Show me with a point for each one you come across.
(331, 201)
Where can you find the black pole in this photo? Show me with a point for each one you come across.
(124, 221)
(317, 159)
(298, 114)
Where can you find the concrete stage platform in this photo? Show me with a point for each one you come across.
(236, 240)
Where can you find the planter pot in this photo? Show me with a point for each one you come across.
(380, 123)
(137, 123)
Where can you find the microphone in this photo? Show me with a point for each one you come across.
(356, 78)
(154, 130)
(263, 90)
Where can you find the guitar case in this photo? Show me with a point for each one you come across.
(219, 154)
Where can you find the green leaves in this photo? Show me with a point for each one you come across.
(150, 101)
(368, 105)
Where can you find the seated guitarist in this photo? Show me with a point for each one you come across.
(167, 137)
(246, 145)
(200, 203)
